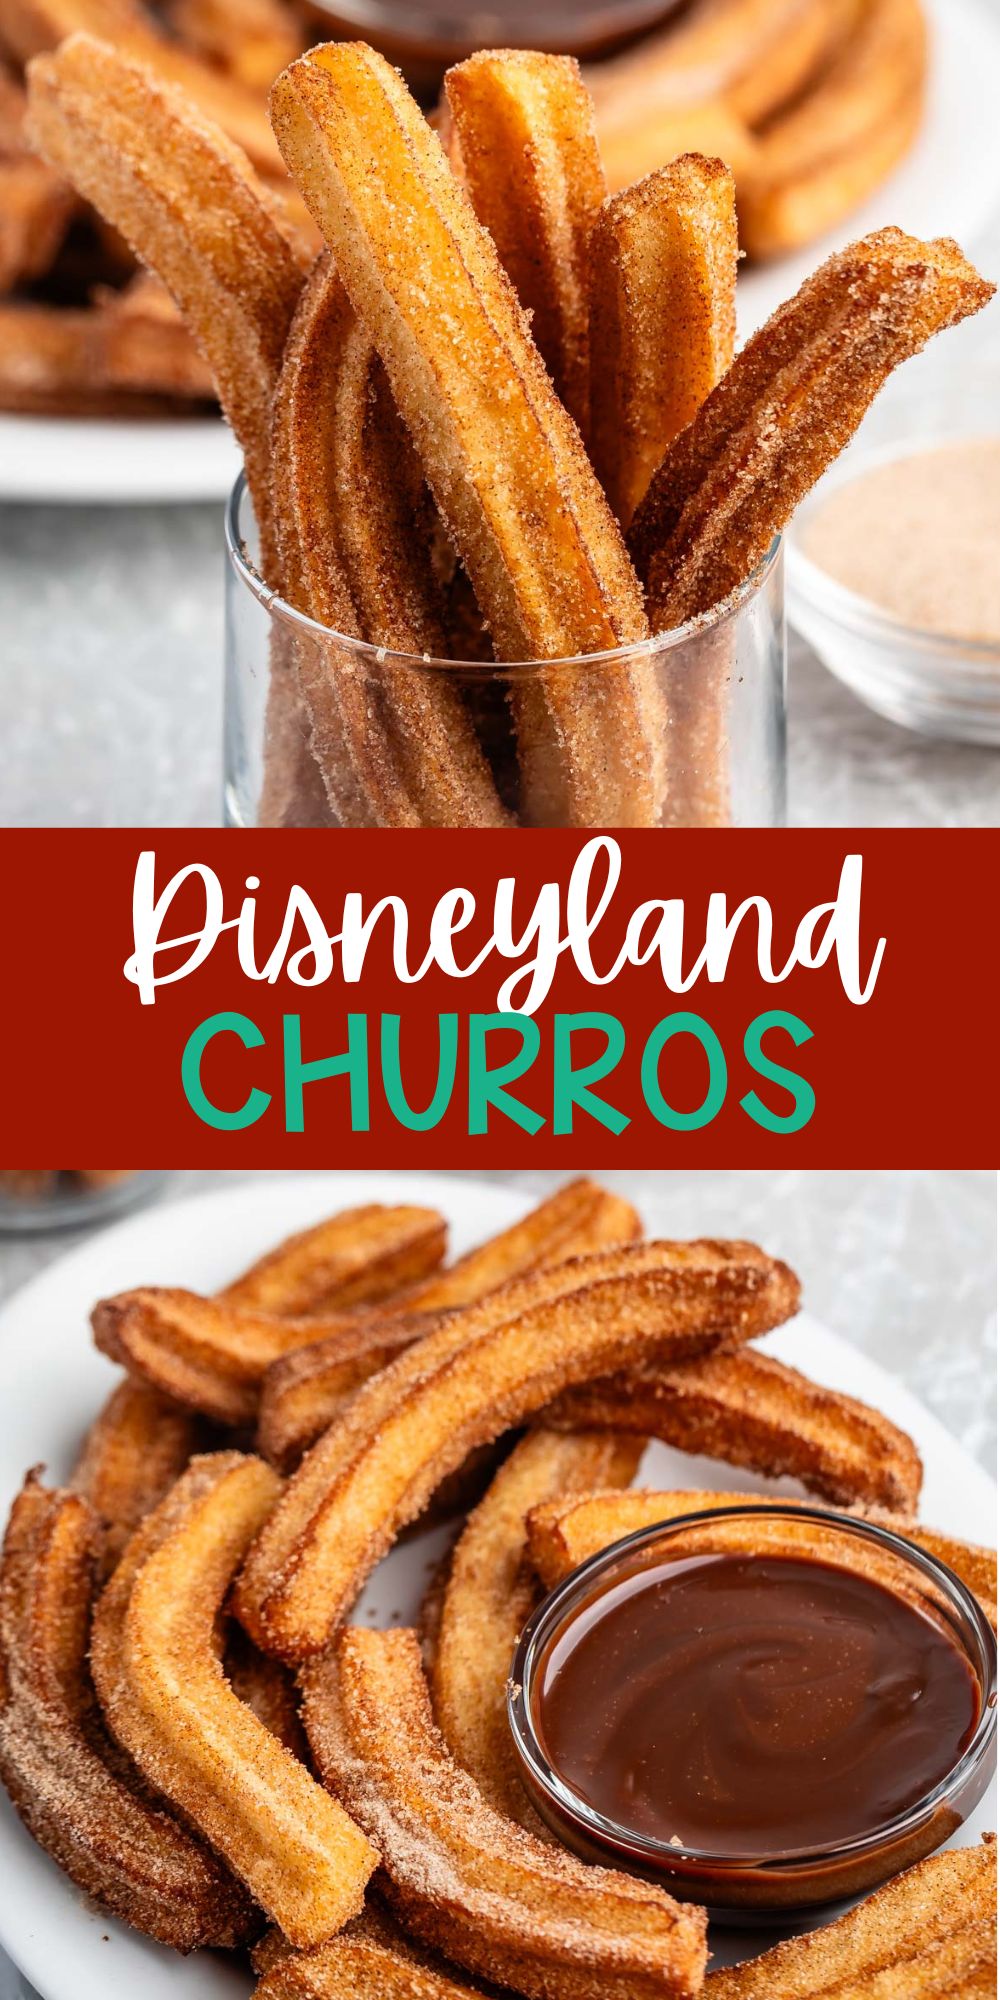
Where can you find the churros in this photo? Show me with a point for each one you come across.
(930, 1931)
(489, 1595)
(136, 1447)
(484, 1369)
(789, 403)
(662, 317)
(752, 1410)
(159, 1677)
(371, 1957)
(395, 747)
(74, 1791)
(302, 1394)
(541, 547)
(524, 125)
(564, 1532)
(211, 1354)
(191, 207)
(463, 1878)
(36, 205)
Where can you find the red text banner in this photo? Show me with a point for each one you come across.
(376, 999)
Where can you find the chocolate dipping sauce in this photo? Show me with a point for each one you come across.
(430, 33)
(745, 1705)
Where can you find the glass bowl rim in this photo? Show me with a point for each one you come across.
(609, 1833)
(275, 605)
(836, 601)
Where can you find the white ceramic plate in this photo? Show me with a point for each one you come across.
(949, 185)
(52, 1381)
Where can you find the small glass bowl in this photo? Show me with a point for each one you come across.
(925, 681)
(717, 684)
(32, 1201)
(760, 1890)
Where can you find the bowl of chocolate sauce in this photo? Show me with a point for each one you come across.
(764, 1709)
(424, 39)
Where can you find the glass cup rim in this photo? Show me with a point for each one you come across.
(609, 1833)
(277, 606)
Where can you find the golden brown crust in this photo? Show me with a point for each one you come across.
(211, 1354)
(302, 1394)
(80, 1799)
(753, 1410)
(267, 1687)
(68, 361)
(136, 1447)
(191, 207)
(490, 1593)
(541, 547)
(831, 148)
(464, 1879)
(395, 747)
(159, 1677)
(524, 126)
(251, 40)
(930, 1931)
(788, 405)
(373, 1957)
(662, 317)
(484, 1369)
(351, 1258)
(564, 1532)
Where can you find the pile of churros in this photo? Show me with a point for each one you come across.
(498, 419)
(193, 1729)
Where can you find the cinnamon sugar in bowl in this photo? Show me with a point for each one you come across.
(894, 578)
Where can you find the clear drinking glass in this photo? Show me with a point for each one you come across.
(326, 730)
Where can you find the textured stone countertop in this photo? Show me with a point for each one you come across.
(903, 1264)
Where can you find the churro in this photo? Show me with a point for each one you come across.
(541, 547)
(75, 1793)
(267, 1687)
(159, 1677)
(485, 1368)
(136, 1447)
(489, 1595)
(35, 27)
(463, 1878)
(352, 1258)
(830, 149)
(395, 746)
(662, 317)
(524, 126)
(563, 1532)
(250, 40)
(752, 1410)
(363, 1960)
(36, 205)
(191, 207)
(303, 1393)
(141, 342)
(789, 403)
(211, 1354)
(930, 1931)
(54, 361)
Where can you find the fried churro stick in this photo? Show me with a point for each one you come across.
(395, 747)
(33, 27)
(53, 361)
(524, 124)
(366, 1959)
(211, 1354)
(484, 1369)
(160, 1681)
(566, 1531)
(541, 547)
(71, 1787)
(491, 1592)
(251, 40)
(303, 1393)
(929, 1931)
(351, 1258)
(141, 342)
(752, 1410)
(790, 402)
(267, 1687)
(463, 1878)
(662, 317)
(36, 205)
(136, 1447)
(823, 156)
(193, 211)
